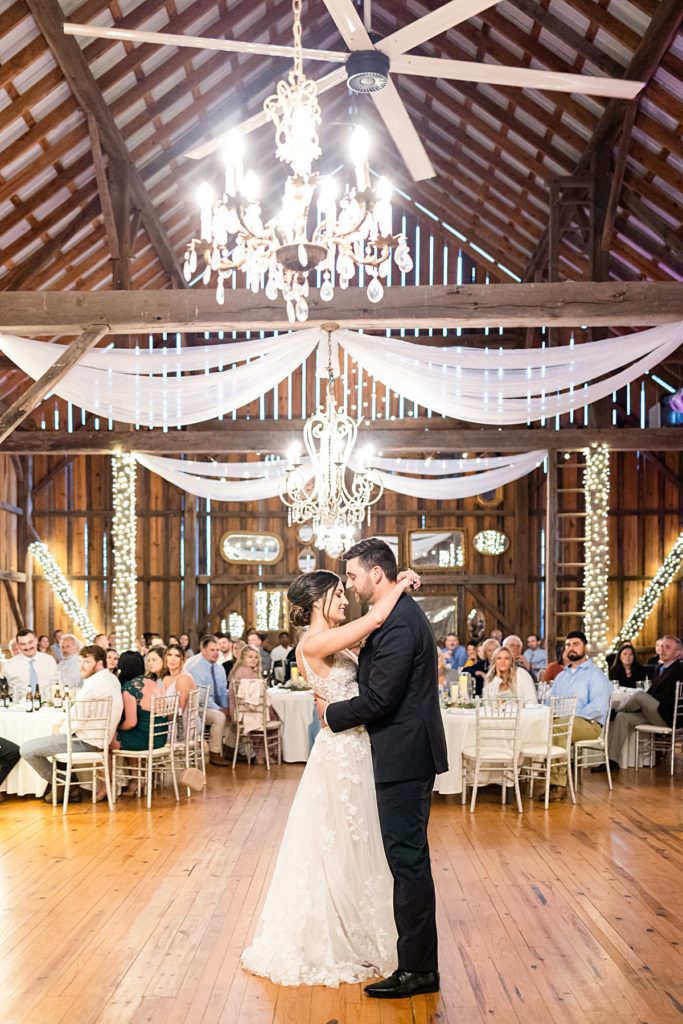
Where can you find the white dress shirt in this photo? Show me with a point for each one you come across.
(101, 684)
(17, 672)
(279, 653)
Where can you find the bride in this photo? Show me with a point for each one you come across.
(328, 915)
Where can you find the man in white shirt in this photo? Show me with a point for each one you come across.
(97, 682)
(69, 668)
(278, 656)
(30, 668)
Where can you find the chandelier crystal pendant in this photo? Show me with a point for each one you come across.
(333, 508)
(280, 254)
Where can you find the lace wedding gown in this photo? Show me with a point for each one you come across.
(328, 915)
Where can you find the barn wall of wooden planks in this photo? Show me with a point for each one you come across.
(72, 514)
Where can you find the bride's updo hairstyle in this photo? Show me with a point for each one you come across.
(308, 588)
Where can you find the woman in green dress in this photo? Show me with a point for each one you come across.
(133, 732)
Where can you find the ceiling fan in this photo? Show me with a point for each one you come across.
(366, 68)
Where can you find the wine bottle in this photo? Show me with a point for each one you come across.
(57, 696)
(29, 700)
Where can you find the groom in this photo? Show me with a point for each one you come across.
(398, 702)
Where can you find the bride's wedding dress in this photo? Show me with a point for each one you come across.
(328, 915)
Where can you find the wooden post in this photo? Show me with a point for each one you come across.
(551, 557)
(190, 564)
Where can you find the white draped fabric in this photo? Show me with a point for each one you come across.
(174, 387)
(265, 479)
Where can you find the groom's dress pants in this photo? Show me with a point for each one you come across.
(404, 814)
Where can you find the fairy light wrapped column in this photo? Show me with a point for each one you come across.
(124, 533)
(596, 482)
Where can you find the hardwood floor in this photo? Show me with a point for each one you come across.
(573, 915)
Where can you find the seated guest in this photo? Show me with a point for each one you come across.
(514, 646)
(133, 731)
(535, 655)
(247, 666)
(184, 642)
(206, 671)
(30, 668)
(656, 707)
(154, 661)
(44, 644)
(472, 656)
(97, 682)
(254, 639)
(113, 660)
(278, 656)
(174, 677)
(481, 667)
(102, 641)
(225, 649)
(111, 641)
(455, 656)
(56, 648)
(9, 755)
(497, 635)
(69, 668)
(593, 691)
(505, 679)
(553, 670)
(626, 669)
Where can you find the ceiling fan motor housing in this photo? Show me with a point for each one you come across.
(367, 71)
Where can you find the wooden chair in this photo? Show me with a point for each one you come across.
(252, 719)
(540, 758)
(200, 736)
(152, 763)
(592, 753)
(186, 748)
(92, 717)
(661, 737)
(495, 748)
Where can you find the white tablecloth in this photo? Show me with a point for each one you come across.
(18, 725)
(460, 728)
(295, 709)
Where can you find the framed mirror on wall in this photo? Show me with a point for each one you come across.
(442, 612)
(394, 542)
(244, 548)
(432, 549)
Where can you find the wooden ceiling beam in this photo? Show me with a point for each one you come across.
(631, 304)
(657, 39)
(66, 51)
(421, 436)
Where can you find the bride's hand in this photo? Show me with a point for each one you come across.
(413, 581)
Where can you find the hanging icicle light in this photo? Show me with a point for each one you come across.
(596, 483)
(124, 533)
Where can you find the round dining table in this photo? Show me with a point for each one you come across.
(296, 711)
(19, 725)
(461, 728)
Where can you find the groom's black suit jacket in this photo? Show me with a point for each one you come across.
(398, 700)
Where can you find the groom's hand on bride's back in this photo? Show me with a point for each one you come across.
(321, 706)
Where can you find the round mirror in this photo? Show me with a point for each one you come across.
(306, 560)
(491, 542)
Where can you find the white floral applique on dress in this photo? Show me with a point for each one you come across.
(328, 915)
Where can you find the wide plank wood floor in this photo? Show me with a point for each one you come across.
(573, 915)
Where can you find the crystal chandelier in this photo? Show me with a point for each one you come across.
(333, 508)
(283, 251)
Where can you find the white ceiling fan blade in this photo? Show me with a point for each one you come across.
(432, 24)
(198, 42)
(323, 84)
(523, 78)
(348, 21)
(403, 132)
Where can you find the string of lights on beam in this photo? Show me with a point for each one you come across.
(124, 533)
(658, 584)
(63, 590)
(596, 481)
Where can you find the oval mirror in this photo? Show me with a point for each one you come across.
(305, 533)
(248, 548)
(306, 560)
(491, 542)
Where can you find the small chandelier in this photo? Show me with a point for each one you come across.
(354, 233)
(333, 508)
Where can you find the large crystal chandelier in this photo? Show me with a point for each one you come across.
(280, 254)
(333, 508)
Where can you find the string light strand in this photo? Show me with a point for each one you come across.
(63, 590)
(124, 531)
(596, 483)
(654, 590)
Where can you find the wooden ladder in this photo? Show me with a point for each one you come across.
(565, 546)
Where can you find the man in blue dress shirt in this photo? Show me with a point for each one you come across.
(593, 691)
(454, 655)
(207, 671)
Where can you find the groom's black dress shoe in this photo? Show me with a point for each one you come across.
(403, 984)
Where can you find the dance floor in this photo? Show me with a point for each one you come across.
(573, 915)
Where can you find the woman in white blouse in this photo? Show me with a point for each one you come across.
(505, 679)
